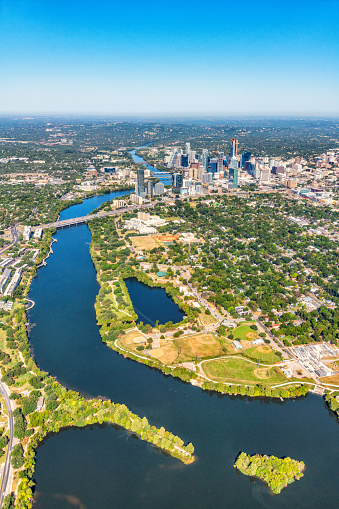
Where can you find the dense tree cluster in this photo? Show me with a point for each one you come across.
(276, 472)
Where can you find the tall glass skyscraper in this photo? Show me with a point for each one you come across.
(204, 158)
(177, 180)
(233, 174)
(140, 183)
(246, 156)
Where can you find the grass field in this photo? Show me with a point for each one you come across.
(206, 319)
(167, 353)
(245, 333)
(145, 243)
(330, 380)
(149, 242)
(262, 352)
(241, 371)
(203, 345)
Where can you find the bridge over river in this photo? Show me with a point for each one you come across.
(83, 219)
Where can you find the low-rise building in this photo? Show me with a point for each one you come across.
(237, 344)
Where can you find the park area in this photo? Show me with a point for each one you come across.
(183, 349)
(133, 337)
(263, 353)
(187, 348)
(201, 345)
(167, 353)
(148, 242)
(241, 371)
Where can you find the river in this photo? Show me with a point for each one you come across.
(103, 467)
(164, 177)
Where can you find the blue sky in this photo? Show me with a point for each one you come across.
(169, 57)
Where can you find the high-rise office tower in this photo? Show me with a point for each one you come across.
(204, 158)
(245, 156)
(185, 160)
(159, 188)
(140, 183)
(188, 148)
(149, 188)
(176, 180)
(220, 166)
(212, 165)
(233, 174)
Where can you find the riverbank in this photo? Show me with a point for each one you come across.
(44, 406)
(125, 469)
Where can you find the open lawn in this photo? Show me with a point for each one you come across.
(262, 352)
(206, 319)
(330, 379)
(238, 370)
(145, 243)
(203, 345)
(244, 332)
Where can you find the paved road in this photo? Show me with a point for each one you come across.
(15, 238)
(5, 476)
(278, 345)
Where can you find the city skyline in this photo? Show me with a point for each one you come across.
(145, 59)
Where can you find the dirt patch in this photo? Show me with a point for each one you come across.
(251, 335)
(263, 349)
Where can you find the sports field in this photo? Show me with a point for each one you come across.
(241, 371)
(148, 242)
(144, 243)
(166, 237)
(262, 352)
(203, 345)
(245, 333)
(167, 353)
(132, 338)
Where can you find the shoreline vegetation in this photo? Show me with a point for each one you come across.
(114, 263)
(276, 472)
(62, 408)
(65, 408)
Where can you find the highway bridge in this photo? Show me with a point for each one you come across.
(65, 223)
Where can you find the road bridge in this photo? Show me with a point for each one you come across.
(83, 219)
